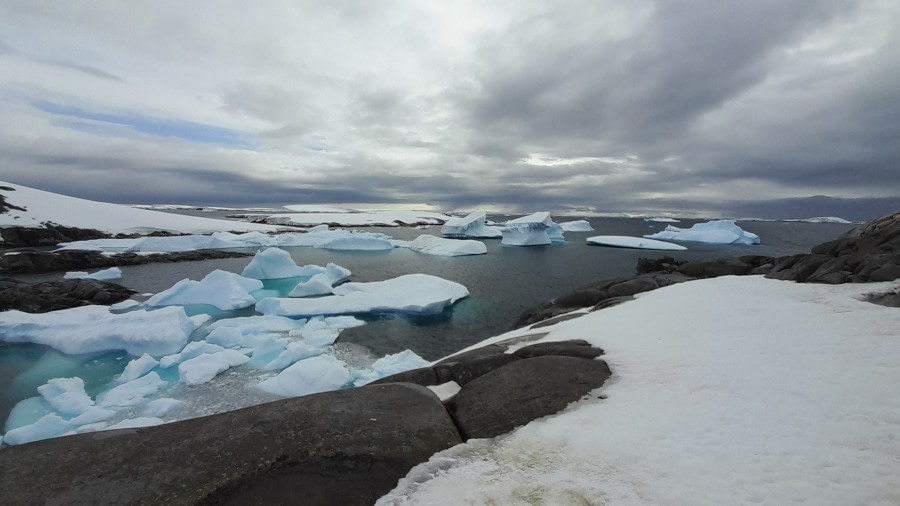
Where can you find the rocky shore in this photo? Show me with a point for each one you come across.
(870, 252)
(29, 262)
(345, 447)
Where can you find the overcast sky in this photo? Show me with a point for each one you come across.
(764, 108)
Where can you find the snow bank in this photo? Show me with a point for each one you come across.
(716, 232)
(224, 290)
(44, 206)
(432, 245)
(471, 226)
(577, 226)
(412, 293)
(104, 275)
(774, 394)
(622, 241)
(89, 329)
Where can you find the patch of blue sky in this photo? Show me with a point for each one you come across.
(94, 121)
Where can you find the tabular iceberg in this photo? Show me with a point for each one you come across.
(432, 245)
(224, 290)
(472, 225)
(412, 293)
(715, 232)
(535, 229)
(622, 241)
(322, 237)
(104, 275)
(90, 329)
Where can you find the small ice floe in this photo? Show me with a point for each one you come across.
(312, 375)
(431, 245)
(715, 232)
(621, 241)
(104, 275)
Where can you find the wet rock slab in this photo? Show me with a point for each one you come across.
(56, 295)
(347, 447)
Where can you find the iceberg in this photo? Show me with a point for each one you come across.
(336, 273)
(48, 426)
(191, 350)
(338, 239)
(203, 368)
(320, 284)
(715, 232)
(131, 393)
(531, 230)
(104, 275)
(576, 226)
(472, 225)
(622, 241)
(312, 375)
(292, 353)
(89, 329)
(92, 415)
(66, 395)
(387, 365)
(276, 263)
(160, 407)
(432, 245)
(412, 293)
(224, 290)
(137, 368)
(258, 324)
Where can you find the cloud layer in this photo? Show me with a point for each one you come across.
(767, 108)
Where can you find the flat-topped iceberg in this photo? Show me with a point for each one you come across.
(439, 246)
(89, 329)
(412, 293)
(224, 290)
(536, 229)
(715, 232)
(103, 275)
(621, 241)
(324, 238)
(470, 226)
(576, 226)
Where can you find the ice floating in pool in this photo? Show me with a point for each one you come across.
(66, 395)
(191, 350)
(577, 226)
(715, 232)
(320, 284)
(224, 290)
(131, 393)
(137, 368)
(308, 376)
(104, 275)
(412, 293)
(203, 368)
(472, 225)
(391, 364)
(432, 245)
(89, 329)
(48, 426)
(621, 241)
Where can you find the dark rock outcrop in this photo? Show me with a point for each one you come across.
(49, 234)
(521, 391)
(55, 295)
(23, 262)
(347, 447)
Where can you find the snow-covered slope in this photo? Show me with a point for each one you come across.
(41, 206)
(778, 393)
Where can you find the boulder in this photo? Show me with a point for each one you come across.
(578, 348)
(521, 391)
(346, 447)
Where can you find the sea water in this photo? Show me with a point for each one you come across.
(502, 284)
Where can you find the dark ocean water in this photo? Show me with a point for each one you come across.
(502, 284)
